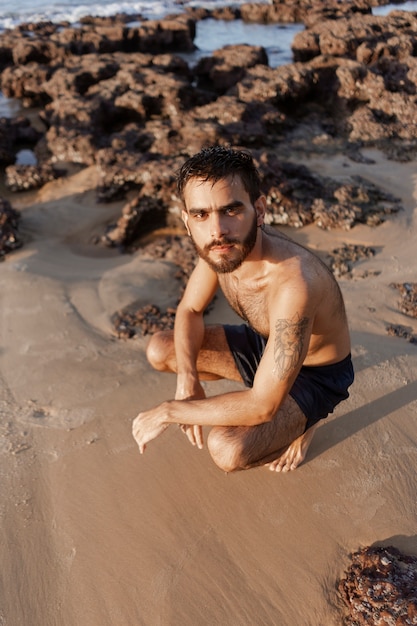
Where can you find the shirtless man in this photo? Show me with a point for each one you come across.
(292, 353)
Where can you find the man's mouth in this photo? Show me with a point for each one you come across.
(221, 246)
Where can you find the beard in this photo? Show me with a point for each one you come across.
(241, 249)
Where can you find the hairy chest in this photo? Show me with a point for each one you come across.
(249, 301)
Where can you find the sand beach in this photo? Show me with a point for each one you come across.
(93, 533)
(97, 534)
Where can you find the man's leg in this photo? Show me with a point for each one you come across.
(280, 444)
(294, 454)
(215, 361)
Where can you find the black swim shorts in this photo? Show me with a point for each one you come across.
(317, 389)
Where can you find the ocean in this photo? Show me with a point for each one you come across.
(21, 11)
(72, 10)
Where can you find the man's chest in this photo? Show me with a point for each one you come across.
(248, 300)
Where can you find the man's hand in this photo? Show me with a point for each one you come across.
(147, 426)
(193, 433)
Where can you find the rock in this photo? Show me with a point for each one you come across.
(140, 216)
(225, 67)
(14, 132)
(26, 83)
(342, 259)
(297, 197)
(8, 137)
(408, 302)
(381, 35)
(25, 177)
(380, 587)
(398, 330)
(9, 222)
(146, 320)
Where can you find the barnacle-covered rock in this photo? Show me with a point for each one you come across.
(342, 259)
(380, 588)
(408, 302)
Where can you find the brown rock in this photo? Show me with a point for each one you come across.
(25, 177)
(227, 66)
(342, 259)
(12, 133)
(9, 222)
(380, 587)
(408, 302)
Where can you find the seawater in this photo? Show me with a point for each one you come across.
(13, 13)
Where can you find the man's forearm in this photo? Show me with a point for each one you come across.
(237, 408)
(188, 338)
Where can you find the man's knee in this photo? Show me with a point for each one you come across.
(226, 449)
(160, 350)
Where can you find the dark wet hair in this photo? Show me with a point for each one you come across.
(217, 162)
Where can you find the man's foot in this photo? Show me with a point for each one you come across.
(294, 454)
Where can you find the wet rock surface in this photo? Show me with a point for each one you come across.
(408, 301)
(9, 223)
(297, 197)
(343, 259)
(25, 177)
(380, 588)
(404, 332)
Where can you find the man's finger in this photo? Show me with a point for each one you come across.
(190, 435)
(198, 436)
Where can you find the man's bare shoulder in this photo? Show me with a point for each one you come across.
(289, 252)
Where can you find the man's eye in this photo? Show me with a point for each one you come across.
(231, 212)
(200, 215)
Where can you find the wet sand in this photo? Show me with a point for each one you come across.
(95, 534)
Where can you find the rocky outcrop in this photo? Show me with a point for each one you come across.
(342, 260)
(380, 587)
(297, 198)
(13, 134)
(26, 177)
(119, 96)
(9, 222)
(408, 301)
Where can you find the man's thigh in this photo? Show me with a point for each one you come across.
(215, 359)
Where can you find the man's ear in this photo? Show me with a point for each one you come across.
(185, 217)
(260, 208)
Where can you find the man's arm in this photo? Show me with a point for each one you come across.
(189, 328)
(188, 339)
(291, 324)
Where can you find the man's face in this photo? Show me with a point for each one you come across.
(222, 221)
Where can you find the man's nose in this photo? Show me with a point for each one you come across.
(218, 226)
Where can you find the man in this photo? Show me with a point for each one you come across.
(292, 353)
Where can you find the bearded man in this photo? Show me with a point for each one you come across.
(293, 350)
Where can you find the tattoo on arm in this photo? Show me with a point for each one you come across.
(289, 344)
